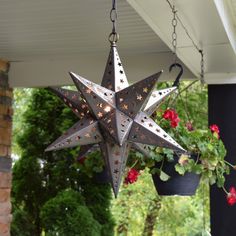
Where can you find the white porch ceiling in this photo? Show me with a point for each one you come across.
(34, 29)
(46, 39)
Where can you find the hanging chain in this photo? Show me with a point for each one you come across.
(176, 19)
(202, 67)
(113, 36)
(174, 34)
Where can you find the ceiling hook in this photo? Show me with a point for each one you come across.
(176, 82)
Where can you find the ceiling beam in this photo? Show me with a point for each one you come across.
(223, 8)
(220, 78)
(43, 73)
(158, 15)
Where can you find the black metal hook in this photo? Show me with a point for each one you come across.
(176, 82)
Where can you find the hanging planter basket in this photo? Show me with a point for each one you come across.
(183, 185)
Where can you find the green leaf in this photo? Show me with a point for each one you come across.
(210, 146)
(212, 180)
(220, 181)
(197, 169)
(155, 171)
(164, 176)
(168, 153)
(180, 169)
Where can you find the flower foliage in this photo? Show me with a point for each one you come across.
(205, 151)
(207, 147)
(204, 144)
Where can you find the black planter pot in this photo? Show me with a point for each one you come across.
(183, 185)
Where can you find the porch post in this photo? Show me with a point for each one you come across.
(222, 111)
(5, 149)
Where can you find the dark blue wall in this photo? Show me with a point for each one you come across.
(222, 111)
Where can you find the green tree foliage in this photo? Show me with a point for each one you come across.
(20, 104)
(98, 199)
(175, 216)
(67, 215)
(20, 225)
(39, 176)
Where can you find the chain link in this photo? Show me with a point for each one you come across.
(174, 39)
(113, 36)
(202, 63)
(174, 34)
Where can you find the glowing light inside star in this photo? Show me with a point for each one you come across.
(107, 109)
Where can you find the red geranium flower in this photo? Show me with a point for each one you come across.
(167, 114)
(174, 123)
(132, 176)
(231, 196)
(215, 130)
(172, 116)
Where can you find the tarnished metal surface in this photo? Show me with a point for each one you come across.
(100, 100)
(145, 130)
(116, 126)
(156, 98)
(116, 117)
(114, 77)
(143, 148)
(116, 158)
(133, 98)
(73, 100)
(84, 132)
(86, 149)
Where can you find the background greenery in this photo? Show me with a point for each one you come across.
(50, 193)
(45, 182)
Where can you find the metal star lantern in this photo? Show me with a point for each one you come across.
(114, 117)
